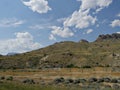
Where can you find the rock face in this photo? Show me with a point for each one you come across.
(83, 40)
(108, 36)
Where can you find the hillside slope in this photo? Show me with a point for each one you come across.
(104, 52)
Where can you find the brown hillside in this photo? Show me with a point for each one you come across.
(104, 52)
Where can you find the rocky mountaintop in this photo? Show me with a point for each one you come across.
(113, 36)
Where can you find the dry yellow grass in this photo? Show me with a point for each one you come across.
(50, 74)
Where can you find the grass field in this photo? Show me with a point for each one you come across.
(17, 86)
(13, 86)
(48, 75)
(63, 72)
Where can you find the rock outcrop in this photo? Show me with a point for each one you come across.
(113, 36)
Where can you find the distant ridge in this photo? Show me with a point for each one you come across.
(11, 54)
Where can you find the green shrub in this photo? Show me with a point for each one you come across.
(86, 67)
(70, 66)
(2, 77)
(10, 78)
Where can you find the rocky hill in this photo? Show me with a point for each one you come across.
(104, 52)
(113, 36)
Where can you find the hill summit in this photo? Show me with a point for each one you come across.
(113, 36)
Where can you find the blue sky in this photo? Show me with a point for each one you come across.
(27, 25)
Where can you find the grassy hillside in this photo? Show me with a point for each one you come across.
(104, 52)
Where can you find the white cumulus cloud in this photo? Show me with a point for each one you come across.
(94, 4)
(52, 37)
(115, 23)
(118, 32)
(89, 31)
(11, 22)
(62, 32)
(38, 27)
(80, 19)
(118, 15)
(39, 6)
(22, 43)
